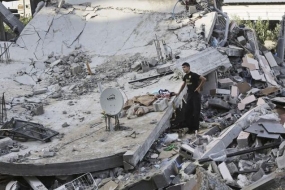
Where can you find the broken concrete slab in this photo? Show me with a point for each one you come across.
(262, 182)
(250, 63)
(198, 63)
(257, 76)
(232, 168)
(233, 131)
(225, 172)
(269, 90)
(258, 175)
(25, 79)
(162, 177)
(248, 100)
(207, 23)
(218, 103)
(270, 59)
(243, 87)
(132, 157)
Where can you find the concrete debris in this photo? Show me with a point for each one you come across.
(64, 73)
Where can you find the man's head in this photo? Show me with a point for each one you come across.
(186, 67)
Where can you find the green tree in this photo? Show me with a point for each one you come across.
(261, 28)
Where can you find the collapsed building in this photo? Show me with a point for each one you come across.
(53, 123)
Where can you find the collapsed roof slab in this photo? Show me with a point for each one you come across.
(205, 61)
(111, 32)
(165, 6)
(85, 149)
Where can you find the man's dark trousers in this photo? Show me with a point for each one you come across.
(192, 111)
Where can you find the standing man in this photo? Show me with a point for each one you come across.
(194, 83)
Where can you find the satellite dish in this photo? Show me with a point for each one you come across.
(112, 101)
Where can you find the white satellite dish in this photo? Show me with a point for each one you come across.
(112, 101)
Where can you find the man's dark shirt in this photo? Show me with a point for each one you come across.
(192, 82)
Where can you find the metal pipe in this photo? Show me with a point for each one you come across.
(223, 42)
(174, 9)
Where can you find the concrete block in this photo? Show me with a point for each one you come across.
(7, 141)
(145, 66)
(258, 175)
(48, 154)
(281, 161)
(38, 110)
(270, 59)
(186, 151)
(218, 103)
(241, 40)
(163, 70)
(162, 179)
(75, 70)
(234, 91)
(40, 91)
(243, 139)
(160, 104)
(192, 9)
(232, 168)
(220, 92)
(225, 83)
(225, 172)
(233, 100)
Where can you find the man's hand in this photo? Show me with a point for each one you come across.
(197, 89)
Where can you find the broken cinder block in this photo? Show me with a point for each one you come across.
(186, 151)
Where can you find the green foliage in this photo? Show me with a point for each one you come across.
(261, 28)
(24, 20)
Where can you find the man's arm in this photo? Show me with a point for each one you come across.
(202, 79)
(181, 88)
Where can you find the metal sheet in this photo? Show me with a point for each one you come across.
(271, 127)
(261, 132)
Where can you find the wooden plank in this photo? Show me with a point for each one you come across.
(132, 157)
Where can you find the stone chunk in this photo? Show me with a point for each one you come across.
(243, 139)
(232, 168)
(225, 83)
(241, 40)
(40, 91)
(48, 154)
(38, 110)
(218, 103)
(7, 141)
(225, 172)
(258, 175)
